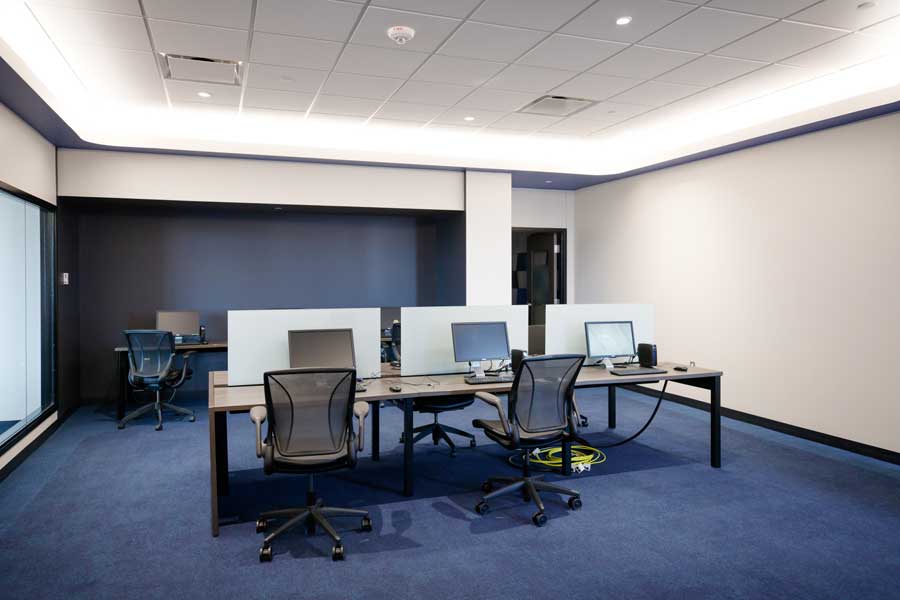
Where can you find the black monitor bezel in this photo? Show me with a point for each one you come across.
(323, 330)
(587, 340)
(505, 331)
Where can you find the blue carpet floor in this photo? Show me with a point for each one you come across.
(101, 513)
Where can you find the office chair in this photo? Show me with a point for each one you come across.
(395, 344)
(435, 406)
(310, 431)
(151, 359)
(541, 412)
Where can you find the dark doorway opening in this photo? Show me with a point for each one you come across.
(538, 270)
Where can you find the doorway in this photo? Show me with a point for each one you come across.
(538, 270)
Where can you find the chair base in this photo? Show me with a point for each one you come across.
(158, 406)
(529, 487)
(311, 515)
(440, 432)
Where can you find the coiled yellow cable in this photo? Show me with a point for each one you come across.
(582, 458)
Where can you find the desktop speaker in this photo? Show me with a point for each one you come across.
(647, 355)
(517, 356)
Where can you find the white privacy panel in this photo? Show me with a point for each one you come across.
(258, 339)
(565, 324)
(426, 345)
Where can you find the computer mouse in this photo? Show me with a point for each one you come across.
(396, 388)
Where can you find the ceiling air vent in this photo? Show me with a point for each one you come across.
(556, 106)
(205, 70)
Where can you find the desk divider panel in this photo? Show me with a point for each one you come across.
(565, 324)
(426, 344)
(258, 339)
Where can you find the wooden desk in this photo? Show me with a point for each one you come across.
(224, 399)
(122, 369)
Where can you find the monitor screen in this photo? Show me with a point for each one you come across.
(480, 341)
(179, 322)
(321, 348)
(608, 339)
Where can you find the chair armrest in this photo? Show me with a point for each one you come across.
(258, 416)
(361, 411)
(496, 403)
(185, 362)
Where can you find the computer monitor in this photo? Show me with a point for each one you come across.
(321, 348)
(475, 342)
(179, 322)
(388, 316)
(606, 340)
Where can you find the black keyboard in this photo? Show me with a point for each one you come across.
(638, 371)
(501, 378)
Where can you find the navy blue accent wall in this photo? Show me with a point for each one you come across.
(136, 258)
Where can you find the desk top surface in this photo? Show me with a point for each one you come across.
(211, 346)
(224, 398)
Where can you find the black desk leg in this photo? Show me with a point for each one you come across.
(611, 406)
(376, 430)
(566, 458)
(715, 423)
(407, 447)
(122, 384)
(221, 426)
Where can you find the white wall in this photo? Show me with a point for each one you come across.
(549, 209)
(488, 238)
(102, 174)
(778, 264)
(565, 324)
(27, 160)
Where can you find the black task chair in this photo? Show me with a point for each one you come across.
(310, 431)
(152, 368)
(395, 344)
(435, 406)
(541, 412)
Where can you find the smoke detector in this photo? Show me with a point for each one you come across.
(401, 34)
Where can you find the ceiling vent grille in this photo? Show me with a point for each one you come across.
(203, 70)
(556, 106)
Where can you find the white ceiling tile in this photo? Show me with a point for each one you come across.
(778, 41)
(610, 112)
(576, 125)
(431, 31)
(221, 110)
(337, 120)
(599, 21)
(446, 8)
(219, 13)
(490, 42)
(524, 122)
(706, 29)
(321, 19)
(760, 83)
(125, 7)
(641, 62)
(570, 52)
(457, 116)
(426, 92)
(496, 100)
(289, 51)
(103, 29)
(845, 14)
(361, 86)
(173, 37)
(844, 52)
(276, 99)
(595, 87)
(656, 93)
(344, 105)
(522, 78)
(765, 8)
(461, 71)
(111, 73)
(201, 70)
(889, 29)
(284, 78)
(383, 62)
(533, 14)
(405, 111)
(710, 70)
(393, 124)
(458, 130)
(287, 118)
(186, 91)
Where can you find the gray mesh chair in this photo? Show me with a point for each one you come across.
(395, 344)
(310, 431)
(152, 368)
(540, 412)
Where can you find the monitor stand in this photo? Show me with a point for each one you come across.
(477, 369)
(606, 363)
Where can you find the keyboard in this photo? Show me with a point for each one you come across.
(638, 371)
(501, 378)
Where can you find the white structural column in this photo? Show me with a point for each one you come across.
(488, 238)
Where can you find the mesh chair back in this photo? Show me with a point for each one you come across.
(309, 410)
(541, 397)
(150, 352)
(395, 340)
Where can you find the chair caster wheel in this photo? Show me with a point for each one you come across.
(575, 503)
(471, 443)
(366, 524)
(120, 425)
(482, 508)
(487, 487)
(265, 554)
(584, 421)
(539, 519)
(158, 428)
(337, 553)
(261, 525)
(402, 439)
(192, 418)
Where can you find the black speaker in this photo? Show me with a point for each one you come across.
(647, 355)
(517, 356)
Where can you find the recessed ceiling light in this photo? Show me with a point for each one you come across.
(623, 20)
(204, 94)
(865, 5)
(548, 181)
(468, 118)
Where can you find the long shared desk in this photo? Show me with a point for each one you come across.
(224, 399)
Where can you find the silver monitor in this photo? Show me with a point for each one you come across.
(476, 342)
(321, 349)
(179, 322)
(606, 340)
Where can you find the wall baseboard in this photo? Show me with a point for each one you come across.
(800, 432)
(25, 447)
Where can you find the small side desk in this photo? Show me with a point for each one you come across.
(124, 392)
(224, 399)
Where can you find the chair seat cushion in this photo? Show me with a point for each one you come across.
(494, 430)
(439, 404)
(278, 463)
